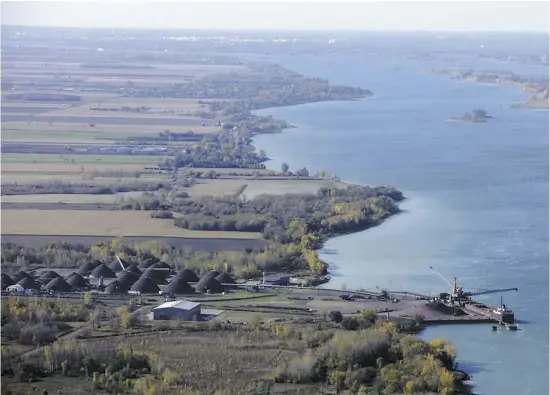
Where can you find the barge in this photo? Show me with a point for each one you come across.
(459, 303)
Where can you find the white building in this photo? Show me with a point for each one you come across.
(177, 309)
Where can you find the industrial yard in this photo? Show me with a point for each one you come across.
(119, 281)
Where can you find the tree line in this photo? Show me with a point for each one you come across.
(241, 264)
(280, 218)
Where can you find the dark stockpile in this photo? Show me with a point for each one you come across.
(68, 276)
(20, 275)
(157, 275)
(187, 275)
(179, 286)
(58, 284)
(211, 274)
(224, 278)
(147, 263)
(127, 278)
(87, 268)
(102, 271)
(6, 281)
(145, 286)
(209, 285)
(133, 268)
(48, 276)
(161, 265)
(77, 281)
(115, 265)
(117, 287)
(28, 283)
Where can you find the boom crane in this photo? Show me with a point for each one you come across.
(457, 291)
(120, 262)
(489, 291)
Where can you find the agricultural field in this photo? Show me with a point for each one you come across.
(101, 223)
(280, 187)
(78, 120)
(33, 168)
(71, 198)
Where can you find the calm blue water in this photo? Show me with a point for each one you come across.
(477, 199)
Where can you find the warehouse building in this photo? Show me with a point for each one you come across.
(177, 309)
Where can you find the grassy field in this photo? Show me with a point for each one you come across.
(81, 159)
(55, 135)
(41, 117)
(34, 177)
(281, 187)
(30, 168)
(67, 198)
(218, 187)
(58, 132)
(60, 385)
(101, 223)
(224, 187)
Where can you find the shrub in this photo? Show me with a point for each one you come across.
(336, 316)
(162, 214)
(38, 334)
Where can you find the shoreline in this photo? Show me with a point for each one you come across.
(494, 79)
(323, 239)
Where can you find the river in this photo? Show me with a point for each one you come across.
(476, 207)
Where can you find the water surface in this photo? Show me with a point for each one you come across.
(477, 198)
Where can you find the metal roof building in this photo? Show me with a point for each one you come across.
(177, 309)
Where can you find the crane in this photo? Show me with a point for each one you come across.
(457, 292)
(489, 291)
(119, 261)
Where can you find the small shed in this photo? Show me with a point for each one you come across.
(15, 288)
(177, 309)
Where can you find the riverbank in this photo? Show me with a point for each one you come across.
(537, 88)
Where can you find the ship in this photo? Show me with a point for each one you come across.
(503, 314)
(459, 301)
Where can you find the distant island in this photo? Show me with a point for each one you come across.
(536, 101)
(538, 87)
(476, 115)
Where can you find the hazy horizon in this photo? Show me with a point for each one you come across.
(529, 17)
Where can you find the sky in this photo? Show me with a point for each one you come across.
(284, 15)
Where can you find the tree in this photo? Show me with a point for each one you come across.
(95, 318)
(262, 155)
(336, 316)
(88, 298)
(285, 167)
(48, 359)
